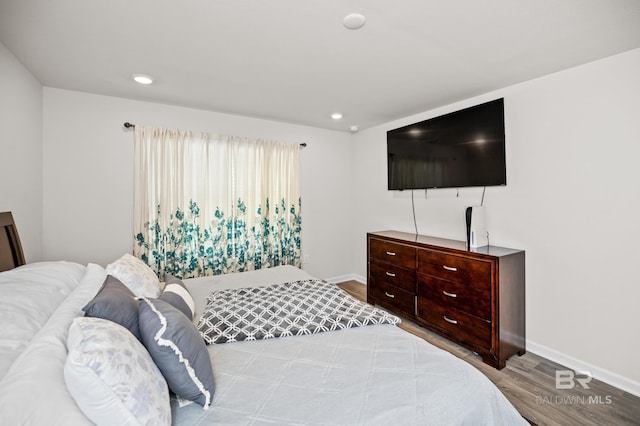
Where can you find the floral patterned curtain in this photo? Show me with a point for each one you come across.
(209, 204)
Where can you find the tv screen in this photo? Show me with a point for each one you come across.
(459, 149)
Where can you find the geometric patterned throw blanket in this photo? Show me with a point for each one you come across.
(291, 309)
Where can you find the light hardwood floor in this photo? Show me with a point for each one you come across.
(529, 382)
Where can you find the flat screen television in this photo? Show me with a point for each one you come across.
(460, 149)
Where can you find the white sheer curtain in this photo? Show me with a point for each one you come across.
(209, 204)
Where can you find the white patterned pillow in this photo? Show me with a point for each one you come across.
(136, 275)
(112, 377)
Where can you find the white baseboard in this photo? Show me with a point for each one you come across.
(575, 364)
(348, 277)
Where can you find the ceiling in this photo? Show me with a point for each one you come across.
(294, 60)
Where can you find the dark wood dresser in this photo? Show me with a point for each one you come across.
(474, 297)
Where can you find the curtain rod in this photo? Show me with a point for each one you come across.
(130, 126)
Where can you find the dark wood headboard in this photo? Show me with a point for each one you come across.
(11, 254)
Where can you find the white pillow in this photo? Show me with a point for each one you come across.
(112, 377)
(136, 275)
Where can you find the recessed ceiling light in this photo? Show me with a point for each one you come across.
(353, 21)
(142, 78)
(336, 115)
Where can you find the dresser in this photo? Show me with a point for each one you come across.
(474, 297)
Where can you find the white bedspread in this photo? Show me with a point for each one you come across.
(373, 375)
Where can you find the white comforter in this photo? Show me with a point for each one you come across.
(28, 297)
(374, 375)
(33, 392)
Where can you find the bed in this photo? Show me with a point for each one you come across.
(374, 374)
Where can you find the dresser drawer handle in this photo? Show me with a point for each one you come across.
(391, 274)
(449, 320)
(389, 295)
(450, 268)
(390, 253)
(449, 294)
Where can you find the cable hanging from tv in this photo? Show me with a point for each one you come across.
(128, 125)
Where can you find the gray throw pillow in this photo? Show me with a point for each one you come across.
(115, 302)
(178, 350)
(176, 294)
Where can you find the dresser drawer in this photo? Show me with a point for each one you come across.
(455, 295)
(471, 272)
(393, 274)
(392, 297)
(461, 327)
(393, 253)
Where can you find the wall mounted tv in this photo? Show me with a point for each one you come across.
(459, 149)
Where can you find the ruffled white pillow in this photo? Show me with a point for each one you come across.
(136, 275)
(112, 377)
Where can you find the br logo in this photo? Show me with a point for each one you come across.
(566, 379)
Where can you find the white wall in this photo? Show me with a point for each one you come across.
(88, 175)
(571, 201)
(21, 151)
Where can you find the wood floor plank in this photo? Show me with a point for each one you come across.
(528, 381)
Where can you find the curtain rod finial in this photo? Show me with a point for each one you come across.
(129, 125)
